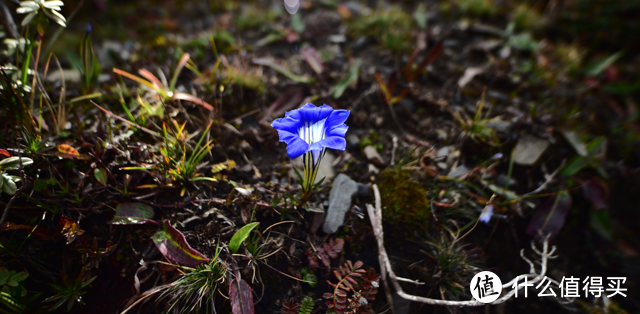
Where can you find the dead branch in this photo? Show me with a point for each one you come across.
(375, 214)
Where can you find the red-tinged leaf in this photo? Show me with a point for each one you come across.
(289, 99)
(334, 247)
(241, 297)
(428, 59)
(550, 217)
(327, 295)
(329, 304)
(597, 193)
(139, 80)
(340, 306)
(337, 273)
(4, 153)
(326, 262)
(175, 247)
(193, 99)
(341, 293)
(351, 280)
(313, 59)
(358, 264)
(132, 214)
(150, 77)
(66, 151)
(383, 86)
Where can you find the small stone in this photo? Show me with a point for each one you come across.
(373, 156)
(529, 149)
(373, 169)
(457, 172)
(443, 152)
(353, 140)
(342, 191)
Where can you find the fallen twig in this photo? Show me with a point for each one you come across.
(375, 214)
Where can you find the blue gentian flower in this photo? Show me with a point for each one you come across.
(486, 214)
(308, 132)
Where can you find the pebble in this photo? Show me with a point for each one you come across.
(373, 156)
(342, 191)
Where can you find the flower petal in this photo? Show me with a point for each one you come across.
(56, 17)
(26, 9)
(333, 142)
(286, 136)
(297, 147)
(28, 18)
(312, 114)
(337, 117)
(49, 4)
(291, 123)
(337, 130)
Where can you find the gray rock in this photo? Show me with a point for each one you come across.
(457, 172)
(353, 140)
(373, 155)
(342, 191)
(529, 149)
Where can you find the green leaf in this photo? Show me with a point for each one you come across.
(240, 236)
(101, 175)
(41, 184)
(269, 39)
(420, 16)
(577, 163)
(132, 214)
(601, 223)
(523, 41)
(347, 80)
(21, 276)
(8, 186)
(621, 88)
(597, 67)
(300, 179)
(173, 245)
(10, 302)
(282, 70)
(297, 23)
(309, 276)
(4, 276)
(13, 163)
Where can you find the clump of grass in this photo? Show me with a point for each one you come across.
(404, 199)
(477, 7)
(477, 128)
(455, 264)
(571, 56)
(243, 76)
(197, 289)
(527, 18)
(252, 17)
(392, 26)
(183, 169)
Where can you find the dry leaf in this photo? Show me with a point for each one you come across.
(66, 151)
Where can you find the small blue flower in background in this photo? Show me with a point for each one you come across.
(308, 132)
(487, 212)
